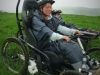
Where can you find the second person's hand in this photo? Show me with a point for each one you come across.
(66, 38)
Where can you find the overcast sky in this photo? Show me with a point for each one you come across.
(78, 3)
(10, 5)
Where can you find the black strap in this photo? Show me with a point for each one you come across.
(39, 62)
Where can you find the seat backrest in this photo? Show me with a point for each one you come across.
(29, 6)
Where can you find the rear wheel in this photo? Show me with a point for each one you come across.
(15, 55)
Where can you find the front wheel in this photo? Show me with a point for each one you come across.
(15, 55)
(94, 53)
(71, 72)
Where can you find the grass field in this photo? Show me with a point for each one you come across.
(8, 28)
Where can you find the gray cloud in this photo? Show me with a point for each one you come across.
(10, 5)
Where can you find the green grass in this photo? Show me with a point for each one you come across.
(8, 28)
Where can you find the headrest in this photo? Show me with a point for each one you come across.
(27, 11)
(30, 4)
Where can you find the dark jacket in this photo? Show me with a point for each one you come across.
(43, 29)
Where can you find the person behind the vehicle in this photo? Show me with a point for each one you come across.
(57, 14)
(53, 37)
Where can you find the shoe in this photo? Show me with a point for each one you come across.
(96, 66)
(95, 72)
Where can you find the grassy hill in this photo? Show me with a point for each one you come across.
(8, 28)
(80, 11)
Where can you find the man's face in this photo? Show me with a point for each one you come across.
(47, 9)
(57, 15)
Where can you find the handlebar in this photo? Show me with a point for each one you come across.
(87, 33)
(84, 34)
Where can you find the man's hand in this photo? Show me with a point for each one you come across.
(78, 32)
(66, 38)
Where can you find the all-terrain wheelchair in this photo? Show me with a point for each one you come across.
(21, 54)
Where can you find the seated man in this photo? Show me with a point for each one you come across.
(57, 13)
(51, 36)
